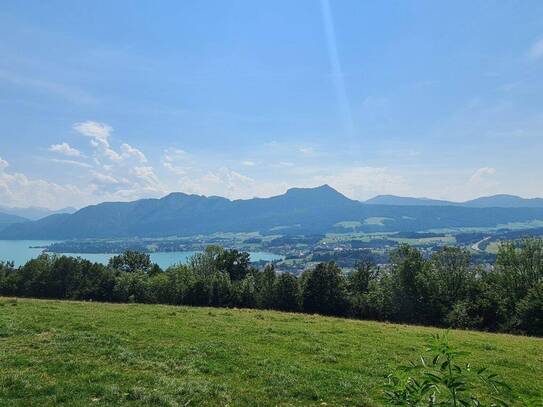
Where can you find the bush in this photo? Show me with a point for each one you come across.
(530, 311)
(132, 287)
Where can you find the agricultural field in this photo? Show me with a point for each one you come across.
(81, 354)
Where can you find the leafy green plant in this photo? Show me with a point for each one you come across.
(440, 380)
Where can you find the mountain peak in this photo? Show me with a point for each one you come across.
(322, 190)
(505, 201)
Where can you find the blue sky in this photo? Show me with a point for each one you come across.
(121, 100)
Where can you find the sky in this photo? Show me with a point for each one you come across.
(116, 101)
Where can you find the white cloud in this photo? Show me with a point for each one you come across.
(104, 178)
(129, 151)
(65, 149)
(176, 170)
(248, 163)
(112, 154)
(100, 132)
(482, 175)
(176, 161)
(71, 162)
(18, 190)
(536, 51)
(147, 175)
(114, 175)
(223, 182)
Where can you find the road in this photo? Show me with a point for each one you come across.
(475, 246)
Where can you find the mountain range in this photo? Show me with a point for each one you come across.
(298, 211)
(494, 201)
(34, 212)
(7, 220)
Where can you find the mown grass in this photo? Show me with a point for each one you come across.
(74, 353)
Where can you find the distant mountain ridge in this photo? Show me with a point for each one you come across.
(494, 201)
(7, 219)
(298, 211)
(406, 201)
(34, 212)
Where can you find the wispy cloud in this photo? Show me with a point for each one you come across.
(104, 178)
(482, 175)
(70, 162)
(176, 161)
(65, 149)
(100, 132)
(129, 151)
(174, 169)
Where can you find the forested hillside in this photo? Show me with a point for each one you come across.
(298, 211)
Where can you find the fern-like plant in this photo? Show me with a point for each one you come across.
(440, 380)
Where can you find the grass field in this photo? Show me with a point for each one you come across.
(73, 353)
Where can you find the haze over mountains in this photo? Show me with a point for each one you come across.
(298, 211)
(34, 212)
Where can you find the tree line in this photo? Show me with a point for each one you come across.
(444, 290)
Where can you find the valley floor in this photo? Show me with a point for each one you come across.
(80, 354)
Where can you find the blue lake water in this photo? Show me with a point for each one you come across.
(20, 251)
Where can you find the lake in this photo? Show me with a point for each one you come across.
(20, 251)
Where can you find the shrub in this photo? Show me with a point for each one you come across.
(530, 311)
(440, 380)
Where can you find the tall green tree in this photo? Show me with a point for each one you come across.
(266, 281)
(407, 265)
(246, 289)
(237, 264)
(131, 261)
(519, 267)
(530, 311)
(287, 293)
(324, 290)
(220, 290)
(444, 281)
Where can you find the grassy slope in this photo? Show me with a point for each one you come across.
(54, 352)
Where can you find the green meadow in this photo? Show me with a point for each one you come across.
(95, 354)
